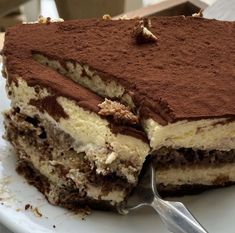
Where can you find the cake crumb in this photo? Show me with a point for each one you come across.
(36, 212)
(5, 193)
(57, 20)
(142, 33)
(111, 157)
(198, 15)
(44, 20)
(123, 17)
(118, 111)
(107, 17)
(85, 212)
(146, 22)
(27, 206)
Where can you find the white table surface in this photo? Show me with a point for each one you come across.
(4, 229)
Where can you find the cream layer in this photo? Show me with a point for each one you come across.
(193, 175)
(207, 134)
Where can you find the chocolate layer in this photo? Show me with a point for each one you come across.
(168, 157)
(183, 76)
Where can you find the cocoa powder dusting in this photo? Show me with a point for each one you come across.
(186, 76)
(51, 106)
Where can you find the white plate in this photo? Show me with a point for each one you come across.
(214, 209)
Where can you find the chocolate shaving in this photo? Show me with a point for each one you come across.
(142, 33)
(27, 206)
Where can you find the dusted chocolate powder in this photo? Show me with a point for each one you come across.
(188, 74)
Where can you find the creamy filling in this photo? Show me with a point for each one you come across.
(207, 134)
(108, 152)
(213, 134)
(192, 175)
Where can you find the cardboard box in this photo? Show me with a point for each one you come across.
(169, 8)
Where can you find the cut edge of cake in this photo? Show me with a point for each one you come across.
(40, 122)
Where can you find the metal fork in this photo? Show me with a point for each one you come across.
(175, 216)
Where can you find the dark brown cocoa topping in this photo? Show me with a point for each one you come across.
(51, 106)
(189, 74)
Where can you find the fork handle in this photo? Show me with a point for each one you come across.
(176, 217)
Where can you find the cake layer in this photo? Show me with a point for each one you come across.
(62, 196)
(70, 199)
(177, 158)
(204, 134)
(108, 151)
(181, 76)
(69, 178)
(52, 153)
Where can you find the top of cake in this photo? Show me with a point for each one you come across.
(188, 73)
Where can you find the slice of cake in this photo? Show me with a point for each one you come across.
(169, 78)
(65, 145)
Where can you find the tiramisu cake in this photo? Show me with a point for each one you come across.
(90, 99)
